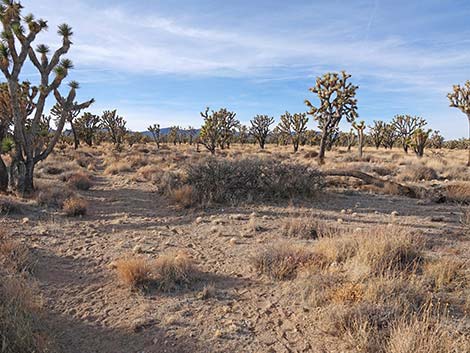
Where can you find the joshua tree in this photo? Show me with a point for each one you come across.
(294, 127)
(350, 139)
(243, 134)
(260, 128)
(360, 127)
(155, 132)
(389, 136)
(216, 128)
(436, 140)
(419, 140)
(191, 134)
(174, 135)
(228, 124)
(376, 133)
(337, 100)
(86, 127)
(405, 126)
(115, 125)
(460, 98)
(19, 33)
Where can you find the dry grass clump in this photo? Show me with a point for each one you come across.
(222, 180)
(306, 228)
(117, 167)
(152, 173)
(134, 272)
(417, 172)
(168, 272)
(75, 206)
(53, 196)
(182, 196)
(173, 270)
(79, 180)
(458, 192)
(15, 257)
(21, 327)
(367, 287)
(283, 261)
(8, 205)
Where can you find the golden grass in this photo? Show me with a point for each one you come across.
(75, 206)
(182, 196)
(134, 272)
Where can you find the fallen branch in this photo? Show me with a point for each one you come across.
(389, 186)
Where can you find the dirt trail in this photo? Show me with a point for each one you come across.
(92, 312)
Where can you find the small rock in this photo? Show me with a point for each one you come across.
(394, 213)
(233, 241)
(199, 220)
(137, 249)
(340, 220)
(25, 220)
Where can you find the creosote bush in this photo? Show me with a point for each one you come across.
(225, 180)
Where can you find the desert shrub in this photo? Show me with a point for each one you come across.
(53, 196)
(446, 273)
(134, 272)
(417, 172)
(220, 180)
(283, 261)
(21, 326)
(173, 270)
(8, 205)
(424, 333)
(311, 155)
(182, 196)
(75, 206)
(305, 228)
(79, 181)
(14, 256)
(116, 167)
(150, 173)
(458, 192)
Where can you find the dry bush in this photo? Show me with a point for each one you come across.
(458, 192)
(311, 155)
(8, 205)
(79, 181)
(220, 180)
(21, 327)
(117, 167)
(173, 270)
(75, 206)
(182, 196)
(283, 261)
(53, 196)
(446, 273)
(15, 257)
(426, 333)
(150, 173)
(134, 272)
(417, 172)
(306, 228)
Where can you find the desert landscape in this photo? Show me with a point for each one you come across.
(264, 236)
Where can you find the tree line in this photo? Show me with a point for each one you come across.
(26, 133)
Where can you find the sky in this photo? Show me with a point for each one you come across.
(165, 61)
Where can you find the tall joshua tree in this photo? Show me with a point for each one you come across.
(360, 127)
(337, 99)
(155, 132)
(115, 125)
(389, 136)
(16, 47)
(260, 128)
(294, 127)
(376, 133)
(405, 126)
(217, 128)
(87, 126)
(419, 140)
(460, 98)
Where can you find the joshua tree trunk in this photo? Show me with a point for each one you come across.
(468, 143)
(296, 146)
(76, 141)
(321, 154)
(3, 176)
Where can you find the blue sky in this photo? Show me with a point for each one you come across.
(165, 61)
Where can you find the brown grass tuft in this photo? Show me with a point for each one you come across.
(173, 270)
(134, 272)
(75, 206)
(79, 181)
(182, 196)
